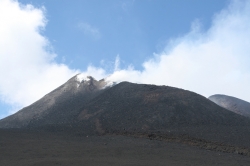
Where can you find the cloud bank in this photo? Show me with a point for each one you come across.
(215, 61)
(27, 66)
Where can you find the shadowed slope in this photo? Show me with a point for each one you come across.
(89, 107)
(123, 107)
(135, 107)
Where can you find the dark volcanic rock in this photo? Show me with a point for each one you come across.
(131, 107)
(89, 107)
(232, 104)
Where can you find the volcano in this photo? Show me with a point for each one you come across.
(91, 107)
(125, 106)
(60, 106)
(233, 104)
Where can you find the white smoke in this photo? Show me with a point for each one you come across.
(216, 61)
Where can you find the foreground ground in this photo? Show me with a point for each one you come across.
(25, 148)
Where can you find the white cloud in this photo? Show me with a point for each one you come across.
(27, 67)
(89, 30)
(211, 62)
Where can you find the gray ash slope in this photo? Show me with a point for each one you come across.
(148, 107)
(163, 111)
(232, 104)
(90, 108)
(61, 106)
(125, 106)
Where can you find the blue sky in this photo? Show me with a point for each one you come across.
(132, 29)
(198, 45)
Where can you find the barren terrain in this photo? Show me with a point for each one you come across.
(83, 123)
(32, 148)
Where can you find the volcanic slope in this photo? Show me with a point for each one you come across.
(232, 103)
(129, 108)
(61, 106)
(92, 107)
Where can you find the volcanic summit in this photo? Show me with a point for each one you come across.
(99, 107)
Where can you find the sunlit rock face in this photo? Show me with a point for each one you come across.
(64, 103)
(233, 104)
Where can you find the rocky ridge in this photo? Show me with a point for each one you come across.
(233, 104)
